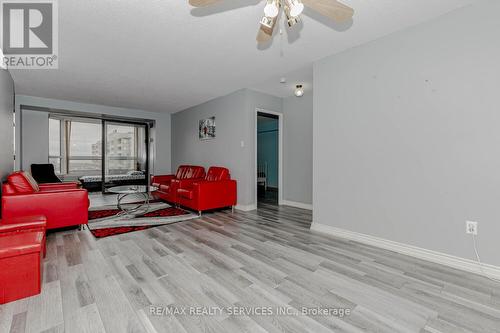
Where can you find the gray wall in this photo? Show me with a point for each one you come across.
(235, 124)
(35, 138)
(6, 124)
(407, 135)
(30, 154)
(297, 148)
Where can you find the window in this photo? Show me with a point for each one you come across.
(55, 151)
(122, 155)
(75, 147)
(84, 153)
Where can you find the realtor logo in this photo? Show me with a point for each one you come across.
(29, 36)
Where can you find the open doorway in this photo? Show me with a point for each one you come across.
(268, 157)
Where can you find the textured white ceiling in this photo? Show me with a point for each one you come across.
(166, 56)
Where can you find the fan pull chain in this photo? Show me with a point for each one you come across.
(282, 51)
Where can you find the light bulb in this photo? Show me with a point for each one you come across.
(296, 7)
(299, 90)
(271, 9)
(291, 20)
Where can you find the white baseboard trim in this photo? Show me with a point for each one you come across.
(246, 208)
(414, 251)
(296, 204)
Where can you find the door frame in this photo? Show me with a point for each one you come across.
(280, 153)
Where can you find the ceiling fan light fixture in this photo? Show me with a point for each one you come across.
(290, 19)
(272, 8)
(299, 90)
(267, 22)
(296, 7)
(331, 9)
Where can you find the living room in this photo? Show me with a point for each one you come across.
(319, 166)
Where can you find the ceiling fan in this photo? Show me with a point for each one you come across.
(292, 9)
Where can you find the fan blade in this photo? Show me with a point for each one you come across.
(203, 3)
(266, 31)
(331, 8)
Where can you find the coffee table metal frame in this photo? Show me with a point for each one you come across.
(126, 190)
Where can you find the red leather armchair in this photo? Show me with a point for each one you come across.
(63, 204)
(217, 190)
(22, 245)
(168, 184)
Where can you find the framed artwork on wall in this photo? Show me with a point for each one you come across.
(207, 129)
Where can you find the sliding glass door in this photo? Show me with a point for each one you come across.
(125, 159)
(99, 153)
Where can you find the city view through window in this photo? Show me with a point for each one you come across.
(75, 147)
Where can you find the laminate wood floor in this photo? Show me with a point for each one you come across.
(266, 260)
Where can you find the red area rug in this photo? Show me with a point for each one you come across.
(108, 220)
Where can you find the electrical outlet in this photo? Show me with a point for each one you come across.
(471, 227)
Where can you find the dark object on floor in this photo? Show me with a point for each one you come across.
(44, 173)
(269, 196)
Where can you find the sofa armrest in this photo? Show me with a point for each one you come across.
(59, 186)
(215, 193)
(70, 206)
(162, 179)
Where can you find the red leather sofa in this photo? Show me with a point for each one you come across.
(217, 190)
(22, 247)
(63, 204)
(168, 184)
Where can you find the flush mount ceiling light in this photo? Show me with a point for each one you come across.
(292, 9)
(299, 90)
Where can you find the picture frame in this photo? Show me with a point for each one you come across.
(206, 129)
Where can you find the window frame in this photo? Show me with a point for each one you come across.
(65, 157)
(60, 157)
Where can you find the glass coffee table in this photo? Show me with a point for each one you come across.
(126, 190)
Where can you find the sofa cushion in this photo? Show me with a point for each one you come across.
(185, 193)
(190, 171)
(22, 182)
(217, 173)
(8, 189)
(165, 188)
(16, 244)
(198, 172)
(179, 172)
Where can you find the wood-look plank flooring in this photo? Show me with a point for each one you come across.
(264, 258)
